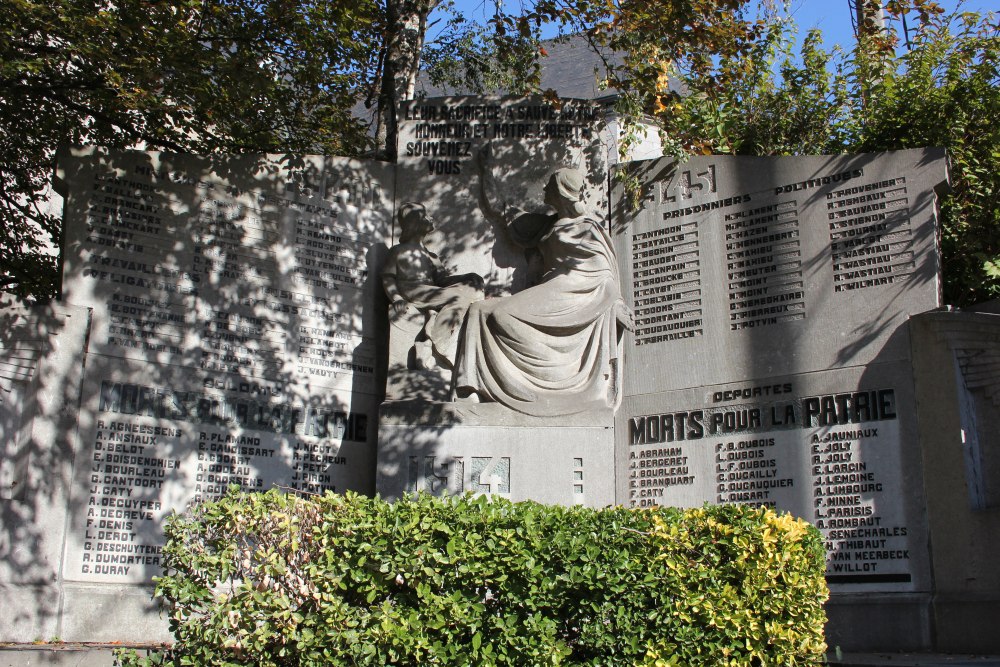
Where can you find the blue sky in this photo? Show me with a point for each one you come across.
(833, 17)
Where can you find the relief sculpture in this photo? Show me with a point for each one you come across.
(427, 309)
(551, 349)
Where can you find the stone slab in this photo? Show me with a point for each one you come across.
(236, 335)
(967, 622)
(744, 267)
(771, 359)
(103, 613)
(154, 439)
(837, 448)
(888, 622)
(439, 144)
(482, 449)
(955, 357)
(40, 382)
(227, 264)
(32, 611)
(56, 656)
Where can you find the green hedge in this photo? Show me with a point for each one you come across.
(274, 579)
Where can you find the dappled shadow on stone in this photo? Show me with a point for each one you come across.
(235, 339)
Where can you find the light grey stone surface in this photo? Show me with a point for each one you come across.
(469, 193)
(886, 622)
(103, 613)
(771, 360)
(40, 379)
(236, 327)
(439, 142)
(954, 362)
(837, 448)
(32, 610)
(56, 656)
(457, 448)
(427, 308)
(747, 267)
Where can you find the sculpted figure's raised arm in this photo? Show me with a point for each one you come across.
(552, 349)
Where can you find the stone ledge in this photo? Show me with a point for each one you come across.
(444, 415)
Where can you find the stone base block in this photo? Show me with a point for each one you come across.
(967, 624)
(112, 614)
(452, 448)
(81, 613)
(58, 655)
(880, 623)
(30, 613)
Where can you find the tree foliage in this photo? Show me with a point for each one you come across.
(718, 78)
(946, 92)
(275, 75)
(201, 76)
(470, 56)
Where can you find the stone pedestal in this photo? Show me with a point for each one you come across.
(956, 367)
(453, 448)
(40, 380)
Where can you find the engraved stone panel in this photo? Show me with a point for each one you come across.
(771, 360)
(439, 144)
(452, 449)
(751, 267)
(235, 339)
(836, 448)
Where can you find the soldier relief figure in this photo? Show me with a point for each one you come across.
(554, 348)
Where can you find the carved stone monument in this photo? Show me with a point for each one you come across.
(771, 358)
(524, 407)
(738, 334)
(234, 338)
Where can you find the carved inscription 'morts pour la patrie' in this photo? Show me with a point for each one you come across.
(834, 459)
(233, 336)
(771, 298)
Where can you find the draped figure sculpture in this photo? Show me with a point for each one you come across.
(554, 348)
(425, 300)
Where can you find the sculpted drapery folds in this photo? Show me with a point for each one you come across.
(551, 349)
(554, 348)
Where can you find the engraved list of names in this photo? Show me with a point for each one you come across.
(232, 339)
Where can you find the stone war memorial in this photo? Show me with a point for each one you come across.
(496, 313)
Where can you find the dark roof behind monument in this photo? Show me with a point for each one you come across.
(571, 68)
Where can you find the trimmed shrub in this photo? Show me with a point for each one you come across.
(274, 579)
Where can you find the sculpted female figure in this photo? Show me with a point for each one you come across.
(551, 349)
